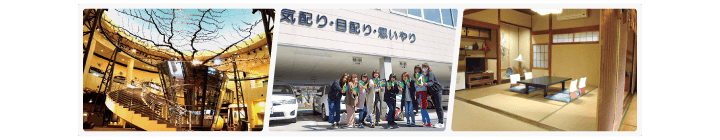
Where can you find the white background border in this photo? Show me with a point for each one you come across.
(448, 126)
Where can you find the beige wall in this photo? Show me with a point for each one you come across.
(91, 81)
(540, 22)
(540, 39)
(515, 17)
(492, 65)
(576, 61)
(592, 19)
(540, 72)
(489, 16)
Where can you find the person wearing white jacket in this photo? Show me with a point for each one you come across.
(363, 85)
(373, 99)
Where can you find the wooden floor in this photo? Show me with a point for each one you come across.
(472, 106)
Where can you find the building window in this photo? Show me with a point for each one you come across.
(449, 16)
(540, 56)
(587, 36)
(445, 17)
(591, 36)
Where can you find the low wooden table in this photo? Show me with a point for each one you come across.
(544, 82)
(472, 79)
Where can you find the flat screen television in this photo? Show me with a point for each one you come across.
(474, 65)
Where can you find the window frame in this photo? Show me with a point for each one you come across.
(422, 18)
(571, 37)
(546, 59)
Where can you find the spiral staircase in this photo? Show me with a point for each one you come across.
(147, 111)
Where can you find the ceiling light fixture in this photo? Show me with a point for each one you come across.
(547, 11)
(195, 62)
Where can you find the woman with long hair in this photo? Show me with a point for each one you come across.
(336, 91)
(435, 95)
(373, 100)
(421, 93)
(350, 100)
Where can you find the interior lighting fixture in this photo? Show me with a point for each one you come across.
(195, 62)
(134, 51)
(519, 58)
(547, 11)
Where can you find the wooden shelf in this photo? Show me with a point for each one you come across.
(473, 37)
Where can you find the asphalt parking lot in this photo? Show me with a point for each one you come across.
(307, 121)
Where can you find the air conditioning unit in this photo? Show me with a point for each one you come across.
(569, 14)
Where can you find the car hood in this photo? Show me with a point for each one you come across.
(278, 97)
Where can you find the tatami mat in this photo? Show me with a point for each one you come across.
(527, 108)
(481, 92)
(474, 118)
(630, 122)
(578, 115)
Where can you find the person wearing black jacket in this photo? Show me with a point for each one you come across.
(435, 95)
(392, 90)
(336, 93)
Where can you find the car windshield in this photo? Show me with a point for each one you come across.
(282, 89)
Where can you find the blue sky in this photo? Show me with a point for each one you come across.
(229, 19)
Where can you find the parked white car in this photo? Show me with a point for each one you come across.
(320, 102)
(284, 103)
(445, 95)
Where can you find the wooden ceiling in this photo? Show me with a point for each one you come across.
(526, 11)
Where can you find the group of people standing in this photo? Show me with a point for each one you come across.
(368, 93)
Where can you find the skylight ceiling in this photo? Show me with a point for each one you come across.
(195, 32)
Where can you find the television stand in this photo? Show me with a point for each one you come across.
(479, 79)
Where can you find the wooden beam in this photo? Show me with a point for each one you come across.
(568, 30)
(497, 51)
(608, 70)
(540, 32)
(550, 48)
(470, 11)
(481, 24)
